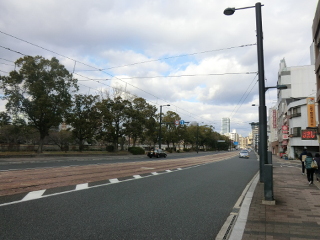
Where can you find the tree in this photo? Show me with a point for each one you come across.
(4, 119)
(171, 131)
(61, 138)
(142, 120)
(84, 118)
(115, 117)
(41, 90)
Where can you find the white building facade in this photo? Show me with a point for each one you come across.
(294, 106)
(225, 126)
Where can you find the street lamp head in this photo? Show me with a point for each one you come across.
(229, 11)
(168, 105)
(281, 87)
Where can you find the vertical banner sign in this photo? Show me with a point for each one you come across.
(274, 118)
(311, 112)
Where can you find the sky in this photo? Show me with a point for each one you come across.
(185, 53)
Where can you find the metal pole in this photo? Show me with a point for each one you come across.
(262, 104)
(160, 127)
(197, 137)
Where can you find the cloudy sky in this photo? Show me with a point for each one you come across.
(185, 53)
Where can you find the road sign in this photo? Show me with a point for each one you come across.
(181, 122)
(176, 122)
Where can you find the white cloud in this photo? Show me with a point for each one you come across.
(112, 33)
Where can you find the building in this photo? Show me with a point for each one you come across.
(316, 47)
(294, 109)
(273, 144)
(244, 142)
(225, 126)
(254, 136)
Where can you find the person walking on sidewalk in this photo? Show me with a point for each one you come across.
(317, 171)
(310, 170)
(303, 156)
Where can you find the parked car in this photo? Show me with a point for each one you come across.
(156, 153)
(244, 154)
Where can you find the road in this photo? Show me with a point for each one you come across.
(192, 203)
(45, 162)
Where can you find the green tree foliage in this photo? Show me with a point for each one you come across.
(142, 120)
(41, 90)
(115, 117)
(171, 132)
(4, 119)
(84, 118)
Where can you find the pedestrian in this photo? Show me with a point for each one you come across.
(310, 170)
(302, 157)
(317, 171)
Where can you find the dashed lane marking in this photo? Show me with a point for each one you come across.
(82, 186)
(33, 195)
(114, 180)
(18, 198)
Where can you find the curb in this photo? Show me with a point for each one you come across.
(235, 224)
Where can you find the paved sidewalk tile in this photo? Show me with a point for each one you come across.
(295, 216)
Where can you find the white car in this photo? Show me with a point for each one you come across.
(244, 154)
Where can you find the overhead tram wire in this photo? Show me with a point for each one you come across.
(106, 73)
(111, 76)
(102, 70)
(236, 107)
(98, 69)
(13, 51)
(182, 55)
(6, 60)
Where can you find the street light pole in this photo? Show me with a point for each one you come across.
(263, 151)
(262, 102)
(161, 124)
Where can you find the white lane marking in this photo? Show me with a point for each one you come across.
(33, 195)
(82, 186)
(168, 171)
(114, 180)
(179, 168)
(238, 229)
(137, 176)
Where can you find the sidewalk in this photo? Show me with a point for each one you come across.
(296, 214)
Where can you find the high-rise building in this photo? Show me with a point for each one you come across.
(225, 126)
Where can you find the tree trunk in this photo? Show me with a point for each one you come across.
(40, 147)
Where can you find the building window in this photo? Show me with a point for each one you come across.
(295, 112)
(295, 132)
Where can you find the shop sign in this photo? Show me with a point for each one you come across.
(309, 134)
(274, 118)
(311, 112)
(285, 136)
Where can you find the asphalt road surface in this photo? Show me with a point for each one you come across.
(45, 162)
(192, 203)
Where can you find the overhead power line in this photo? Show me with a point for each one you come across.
(244, 97)
(182, 55)
(6, 60)
(13, 51)
(102, 70)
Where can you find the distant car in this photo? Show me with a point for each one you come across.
(157, 153)
(244, 154)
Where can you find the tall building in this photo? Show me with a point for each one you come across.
(296, 110)
(255, 135)
(225, 126)
(316, 56)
